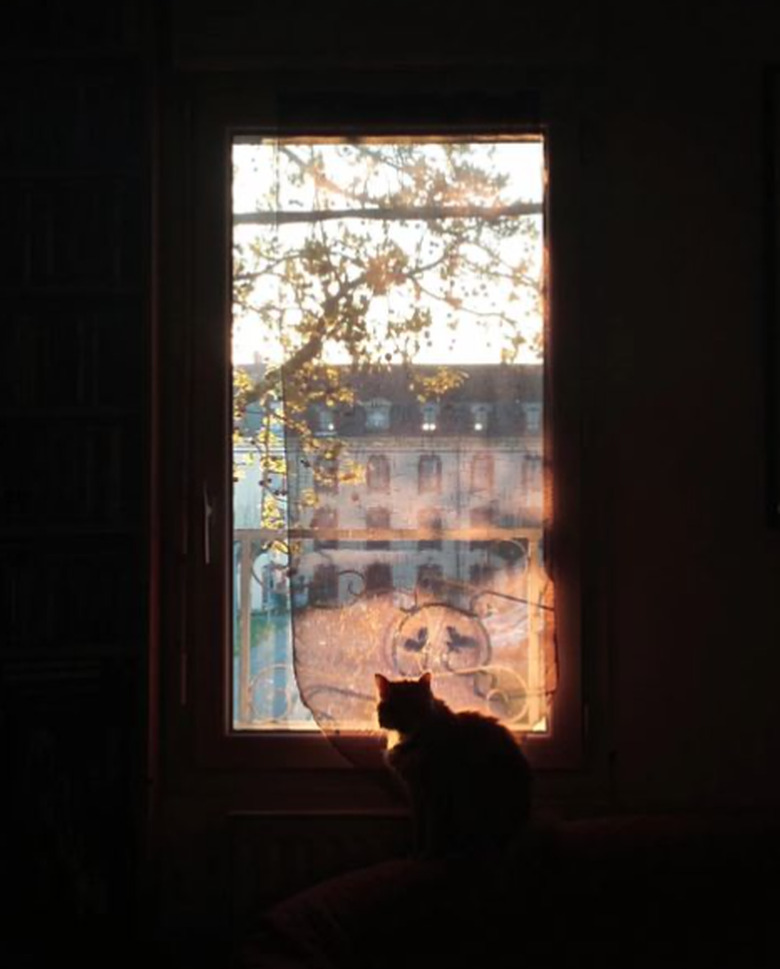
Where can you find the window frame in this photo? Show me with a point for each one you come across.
(194, 404)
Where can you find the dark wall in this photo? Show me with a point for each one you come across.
(681, 569)
(680, 565)
(74, 249)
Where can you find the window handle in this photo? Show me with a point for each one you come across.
(208, 511)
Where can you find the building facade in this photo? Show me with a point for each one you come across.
(397, 505)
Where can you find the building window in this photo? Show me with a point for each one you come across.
(430, 579)
(324, 586)
(377, 414)
(480, 416)
(377, 473)
(429, 522)
(429, 474)
(532, 412)
(482, 473)
(482, 574)
(378, 518)
(379, 578)
(531, 487)
(482, 519)
(430, 417)
(325, 520)
(326, 475)
(325, 421)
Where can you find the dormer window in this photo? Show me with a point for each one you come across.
(325, 420)
(533, 417)
(377, 414)
(480, 414)
(430, 415)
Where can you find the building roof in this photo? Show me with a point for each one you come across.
(493, 400)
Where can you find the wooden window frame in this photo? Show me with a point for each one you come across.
(193, 398)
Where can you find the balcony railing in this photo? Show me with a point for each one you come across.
(480, 618)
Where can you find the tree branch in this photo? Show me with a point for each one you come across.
(426, 213)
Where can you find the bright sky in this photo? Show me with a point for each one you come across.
(470, 334)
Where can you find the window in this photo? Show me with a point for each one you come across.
(324, 586)
(379, 577)
(377, 414)
(480, 416)
(482, 473)
(325, 420)
(482, 574)
(325, 519)
(531, 490)
(429, 521)
(379, 271)
(532, 412)
(429, 474)
(430, 416)
(482, 519)
(300, 476)
(378, 473)
(326, 475)
(430, 579)
(378, 518)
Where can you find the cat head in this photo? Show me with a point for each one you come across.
(404, 704)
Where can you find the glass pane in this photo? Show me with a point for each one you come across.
(389, 498)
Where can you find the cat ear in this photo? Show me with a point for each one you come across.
(382, 684)
(425, 679)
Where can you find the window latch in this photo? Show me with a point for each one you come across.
(208, 511)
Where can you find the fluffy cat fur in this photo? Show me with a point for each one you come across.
(467, 779)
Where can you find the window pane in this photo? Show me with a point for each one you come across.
(388, 346)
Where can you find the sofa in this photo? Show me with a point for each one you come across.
(623, 891)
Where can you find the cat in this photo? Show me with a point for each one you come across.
(468, 781)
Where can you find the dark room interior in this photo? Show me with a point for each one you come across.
(136, 825)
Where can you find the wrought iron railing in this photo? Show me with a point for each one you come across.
(488, 633)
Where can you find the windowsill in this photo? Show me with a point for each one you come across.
(313, 751)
